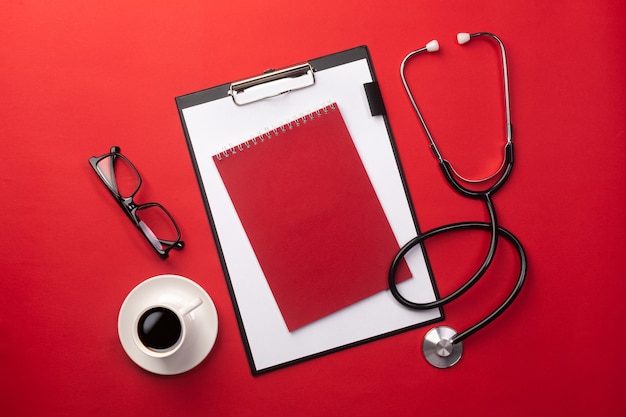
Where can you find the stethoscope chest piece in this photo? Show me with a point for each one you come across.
(438, 348)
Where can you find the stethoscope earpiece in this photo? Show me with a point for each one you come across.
(432, 46)
(462, 38)
(439, 348)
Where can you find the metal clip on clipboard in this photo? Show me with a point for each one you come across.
(271, 84)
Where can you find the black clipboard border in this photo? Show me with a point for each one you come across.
(221, 91)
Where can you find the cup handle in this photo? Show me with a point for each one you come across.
(191, 306)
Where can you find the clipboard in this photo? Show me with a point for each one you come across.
(220, 118)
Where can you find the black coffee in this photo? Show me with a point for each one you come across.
(159, 328)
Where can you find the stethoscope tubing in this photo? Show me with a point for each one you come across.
(512, 295)
(469, 283)
(492, 226)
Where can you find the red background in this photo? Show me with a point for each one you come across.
(78, 77)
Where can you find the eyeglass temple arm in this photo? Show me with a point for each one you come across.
(175, 245)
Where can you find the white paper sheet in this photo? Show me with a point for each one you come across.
(219, 124)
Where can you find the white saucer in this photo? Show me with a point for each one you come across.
(202, 331)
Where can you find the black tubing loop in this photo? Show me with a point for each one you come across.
(512, 295)
(458, 227)
(493, 225)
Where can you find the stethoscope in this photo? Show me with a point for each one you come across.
(443, 346)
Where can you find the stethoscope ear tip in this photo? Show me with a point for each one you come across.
(438, 348)
(432, 46)
(462, 38)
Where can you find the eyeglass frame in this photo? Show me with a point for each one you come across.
(130, 207)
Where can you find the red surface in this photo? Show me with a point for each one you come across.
(303, 198)
(77, 77)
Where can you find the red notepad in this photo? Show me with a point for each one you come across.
(312, 216)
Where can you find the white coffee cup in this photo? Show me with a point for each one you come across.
(161, 328)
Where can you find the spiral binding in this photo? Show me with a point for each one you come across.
(275, 132)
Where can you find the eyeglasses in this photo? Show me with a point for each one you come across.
(123, 181)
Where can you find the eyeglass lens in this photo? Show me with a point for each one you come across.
(120, 175)
(157, 225)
